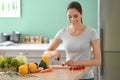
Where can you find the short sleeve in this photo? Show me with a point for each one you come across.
(94, 35)
(59, 35)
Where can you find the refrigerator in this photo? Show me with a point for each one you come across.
(110, 39)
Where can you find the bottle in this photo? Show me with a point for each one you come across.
(45, 40)
(46, 59)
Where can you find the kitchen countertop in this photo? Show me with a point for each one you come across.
(22, 46)
(56, 74)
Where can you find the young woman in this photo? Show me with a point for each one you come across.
(81, 42)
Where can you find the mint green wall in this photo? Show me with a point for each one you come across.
(46, 17)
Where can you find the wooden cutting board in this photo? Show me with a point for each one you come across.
(59, 67)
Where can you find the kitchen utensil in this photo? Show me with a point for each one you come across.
(3, 37)
(77, 58)
(61, 60)
(15, 37)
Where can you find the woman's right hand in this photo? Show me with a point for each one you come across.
(56, 55)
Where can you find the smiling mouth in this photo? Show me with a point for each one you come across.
(73, 21)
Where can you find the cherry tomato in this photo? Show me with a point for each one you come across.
(83, 67)
(70, 68)
(63, 64)
(79, 67)
(74, 68)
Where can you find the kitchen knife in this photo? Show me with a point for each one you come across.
(61, 61)
(77, 58)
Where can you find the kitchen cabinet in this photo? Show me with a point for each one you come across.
(110, 25)
(111, 66)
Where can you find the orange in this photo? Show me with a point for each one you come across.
(32, 66)
(23, 69)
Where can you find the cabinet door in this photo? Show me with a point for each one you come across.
(111, 66)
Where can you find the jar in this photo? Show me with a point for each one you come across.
(15, 37)
(3, 37)
(45, 40)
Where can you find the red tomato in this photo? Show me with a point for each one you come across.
(63, 64)
(79, 67)
(70, 68)
(82, 67)
(74, 68)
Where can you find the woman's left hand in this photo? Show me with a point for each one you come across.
(70, 62)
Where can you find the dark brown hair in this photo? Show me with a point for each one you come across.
(77, 6)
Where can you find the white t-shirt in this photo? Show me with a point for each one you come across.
(78, 47)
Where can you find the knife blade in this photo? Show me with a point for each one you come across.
(61, 61)
(77, 58)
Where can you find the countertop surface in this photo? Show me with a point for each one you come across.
(56, 74)
(22, 46)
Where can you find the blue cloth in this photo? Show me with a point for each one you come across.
(88, 79)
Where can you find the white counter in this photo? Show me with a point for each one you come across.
(27, 47)
(33, 52)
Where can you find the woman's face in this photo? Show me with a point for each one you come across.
(74, 17)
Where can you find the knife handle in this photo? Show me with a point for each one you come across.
(58, 58)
